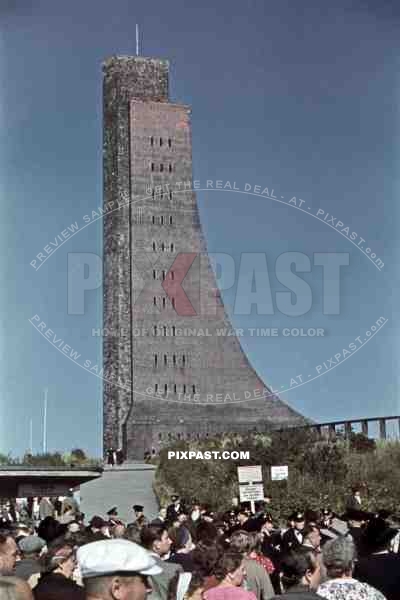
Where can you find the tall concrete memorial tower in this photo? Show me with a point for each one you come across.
(170, 371)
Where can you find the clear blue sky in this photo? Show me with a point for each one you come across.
(299, 97)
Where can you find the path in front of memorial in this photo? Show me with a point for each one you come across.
(121, 486)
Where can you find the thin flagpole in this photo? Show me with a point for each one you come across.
(45, 422)
(31, 436)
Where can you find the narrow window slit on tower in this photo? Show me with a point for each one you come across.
(155, 360)
(161, 168)
(163, 302)
(152, 166)
(173, 302)
(170, 195)
(152, 141)
(165, 359)
(154, 246)
(169, 142)
(156, 388)
(170, 168)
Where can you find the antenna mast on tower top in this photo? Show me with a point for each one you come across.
(137, 40)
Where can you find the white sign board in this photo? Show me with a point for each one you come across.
(251, 492)
(250, 474)
(35, 489)
(279, 473)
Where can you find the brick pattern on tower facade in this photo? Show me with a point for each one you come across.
(150, 240)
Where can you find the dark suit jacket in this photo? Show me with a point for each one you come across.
(298, 593)
(289, 541)
(173, 513)
(353, 504)
(382, 571)
(54, 585)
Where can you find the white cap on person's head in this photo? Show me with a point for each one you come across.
(108, 557)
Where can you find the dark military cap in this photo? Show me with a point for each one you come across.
(138, 508)
(298, 517)
(268, 518)
(353, 514)
(113, 511)
(174, 498)
(377, 534)
(97, 522)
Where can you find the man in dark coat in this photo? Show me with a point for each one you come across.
(380, 567)
(174, 509)
(354, 501)
(111, 456)
(113, 517)
(96, 528)
(293, 537)
(356, 520)
(140, 519)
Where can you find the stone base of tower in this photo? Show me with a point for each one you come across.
(153, 433)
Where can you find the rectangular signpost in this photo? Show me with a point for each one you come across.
(251, 487)
(279, 473)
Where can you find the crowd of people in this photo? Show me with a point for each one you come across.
(189, 552)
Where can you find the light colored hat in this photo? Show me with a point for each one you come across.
(31, 544)
(115, 556)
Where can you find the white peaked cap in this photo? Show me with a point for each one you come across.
(115, 556)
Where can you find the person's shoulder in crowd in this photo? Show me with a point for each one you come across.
(348, 589)
(53, 586)
(382, 571)
(298, 593)
(160, 582)
(167, 567)
(258, 580)
(229, 593)
(27, 567)
(183, 559)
